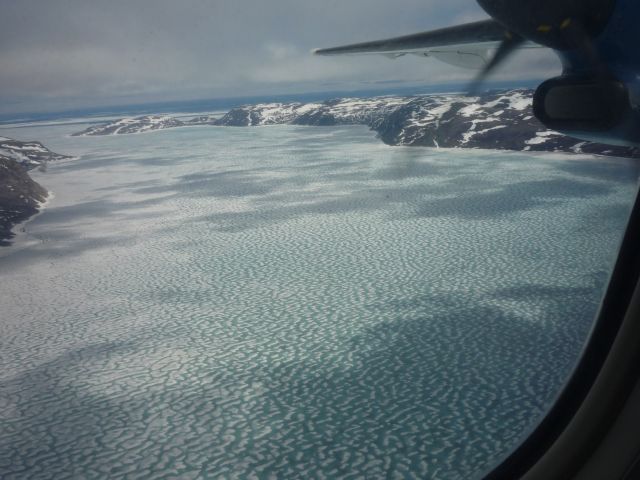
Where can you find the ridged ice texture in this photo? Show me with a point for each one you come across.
(296, 302)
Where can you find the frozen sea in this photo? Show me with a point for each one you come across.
(295, 302)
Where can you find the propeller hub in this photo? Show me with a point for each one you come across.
(550, 22)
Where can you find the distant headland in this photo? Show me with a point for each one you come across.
(501, 120)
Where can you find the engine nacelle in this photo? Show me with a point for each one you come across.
(580, 104)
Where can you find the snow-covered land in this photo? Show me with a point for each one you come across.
(143, 124)
(496, 120)
(28, 154)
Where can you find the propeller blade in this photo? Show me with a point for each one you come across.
(508, 45)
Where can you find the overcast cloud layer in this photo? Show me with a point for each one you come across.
(74, 53)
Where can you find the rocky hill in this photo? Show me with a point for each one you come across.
(28, 154)
(499, 120)
(20, 195)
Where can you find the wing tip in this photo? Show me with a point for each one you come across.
(321, 51)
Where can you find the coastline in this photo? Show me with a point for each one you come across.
(21, 198)
(500, 120)
(19, 231)
(18, 235)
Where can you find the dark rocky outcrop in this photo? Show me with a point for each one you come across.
(29, 154)
(20, 197)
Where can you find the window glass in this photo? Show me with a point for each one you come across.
(264, 287)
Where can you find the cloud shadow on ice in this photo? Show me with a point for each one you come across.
(219, 184)
(505, 200)
(55, 246)
(94, 209)
(270, 211)
(409, 168)
(404, 389)
(413, 385)
(512, 198)
(54, 420)
(602, 169)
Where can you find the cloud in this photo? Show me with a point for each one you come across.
(76, 52)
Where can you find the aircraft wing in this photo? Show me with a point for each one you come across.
(470, 45)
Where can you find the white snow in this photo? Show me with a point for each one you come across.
(472, 131)
(542, 137)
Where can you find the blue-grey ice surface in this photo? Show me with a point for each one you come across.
(295, 302)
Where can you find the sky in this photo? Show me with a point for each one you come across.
(65, 54)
